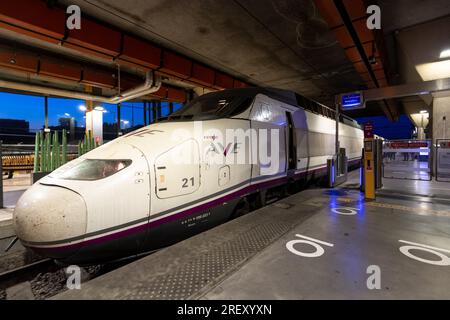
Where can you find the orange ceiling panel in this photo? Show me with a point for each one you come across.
(59, 69)
(377, 65)
(383, 83)
(379, 74)
(90, 52)
(18, 60)
(87, 36)
(128, 82)
(239, 84)
(343, 37)
(176, 65)
(223, 81)
(28, 33)
(160, 94)
(353, 54)
(35, 16)
(202, 75)
(360, 67)
(176, 95)
(99, 78)
(364, 34)
(140, 52)
(356, 9)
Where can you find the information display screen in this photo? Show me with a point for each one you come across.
(354, 100)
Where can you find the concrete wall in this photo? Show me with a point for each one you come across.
(441, 109)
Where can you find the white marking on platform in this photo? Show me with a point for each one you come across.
(444, 260)
(312, 242)
(346, 211)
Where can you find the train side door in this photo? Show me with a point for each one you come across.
(291, 151)
(268, 119)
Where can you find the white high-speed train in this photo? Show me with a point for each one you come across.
(180, 176)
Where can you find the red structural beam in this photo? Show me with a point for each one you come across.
(34, 18)
(58, 68)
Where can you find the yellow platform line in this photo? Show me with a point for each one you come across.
(413, 210)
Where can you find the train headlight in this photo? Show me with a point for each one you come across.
(46, 214)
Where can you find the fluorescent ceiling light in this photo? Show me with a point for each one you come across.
(445, 54)
(423, 111)
(434, 70)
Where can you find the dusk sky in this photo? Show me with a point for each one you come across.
(31, 108)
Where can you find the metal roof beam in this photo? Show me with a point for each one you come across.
(407, 90)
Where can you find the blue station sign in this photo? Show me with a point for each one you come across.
(354, 100)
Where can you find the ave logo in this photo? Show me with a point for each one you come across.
(219, 148)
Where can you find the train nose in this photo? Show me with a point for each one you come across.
(45, 214)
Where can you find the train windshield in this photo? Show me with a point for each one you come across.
(214, 106)
(92, 169)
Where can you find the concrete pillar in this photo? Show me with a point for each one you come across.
(94, 123)
(441, 118)
(94, 119)
(421, 133)
(421, 121)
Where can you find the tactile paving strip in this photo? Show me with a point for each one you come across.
(188, 279)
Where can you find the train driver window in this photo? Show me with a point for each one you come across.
(92, 169)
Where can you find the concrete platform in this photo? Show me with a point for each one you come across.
(317, 244)
(6, 216)
(20, 181)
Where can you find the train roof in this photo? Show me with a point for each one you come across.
(286, 96)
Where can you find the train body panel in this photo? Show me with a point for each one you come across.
(170, 180)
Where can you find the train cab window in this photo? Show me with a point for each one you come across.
(214, 106)
(242, 106)
(92, 169)
(204, 107)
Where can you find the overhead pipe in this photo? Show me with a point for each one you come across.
(151, 85)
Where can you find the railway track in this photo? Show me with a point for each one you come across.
(44, 278)
(26, 272)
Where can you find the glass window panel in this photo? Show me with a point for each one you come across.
(109, 121)
(20, 117)
(67, 114)
(177, 106)
(164, 109)
(92, 169)
(131, 116)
